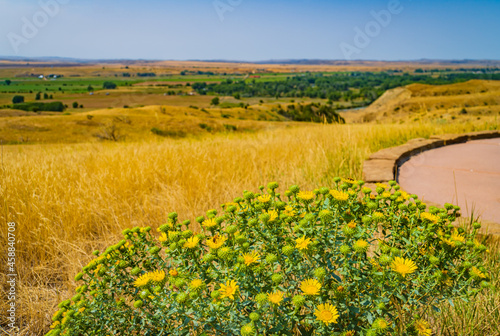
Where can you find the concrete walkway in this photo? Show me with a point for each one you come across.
(466, 174)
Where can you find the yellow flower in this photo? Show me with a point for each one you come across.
(275, 297)
(430, 217)
(382, 185)
(209, 223)
(377, 216)
(192, 242)
(475, 272)
(339, 195)
(229, 289)
(142, 281)
(455, 236)
(273, 214)
(157, 276)
(352, 224)
(173, 272)
(386, 194)
(302, 243)
(289, 211)
(405, 195)
(306, 195)
(251, 258)
(327, 313)
(163, 237)
(422, 328)
(361, 245)
(54, 324)
(196, 284)
(403, 266)
(227, 205)
(216, 242)
(264, 198)
(310, 287)
(349, 180)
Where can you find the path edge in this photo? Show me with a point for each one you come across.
(383, 166)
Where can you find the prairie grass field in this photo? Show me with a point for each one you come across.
(70, 199)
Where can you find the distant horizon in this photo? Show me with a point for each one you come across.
(7, 57)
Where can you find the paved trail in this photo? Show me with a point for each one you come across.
(465, 174)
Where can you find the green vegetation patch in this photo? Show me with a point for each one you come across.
(35, 107)
(341, 261)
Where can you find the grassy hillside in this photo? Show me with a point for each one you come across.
(68, 200)
(472, 99)
(133, 124)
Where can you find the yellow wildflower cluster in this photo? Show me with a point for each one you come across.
(269, 256)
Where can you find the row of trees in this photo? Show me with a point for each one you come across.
(366, 86)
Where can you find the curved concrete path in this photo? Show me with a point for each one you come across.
(466, 174)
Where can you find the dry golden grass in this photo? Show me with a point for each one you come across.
(134, 124)
(68, 200)
(477, 97)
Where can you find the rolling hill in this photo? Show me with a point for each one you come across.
(419, 101)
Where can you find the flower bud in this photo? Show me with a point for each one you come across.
(325, 215)
(181, 298)
(215, 294)
(254, 316)
(344, 249)
(144, 294)
(248, 196)
(240, 239)
(320, 273)
(138, 304)
(395, 251)
(298, 301)
(272, 185)
(187, 234)
(271, 258)
(261, 298)
(247, 330)
(231, 229)
(224, 253)
(385, 259)
(277, 278)
(288, 250)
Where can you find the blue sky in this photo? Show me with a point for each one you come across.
(251, 29)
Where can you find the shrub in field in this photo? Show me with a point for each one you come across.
(346, 261)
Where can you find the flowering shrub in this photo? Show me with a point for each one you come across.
(346, 261)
